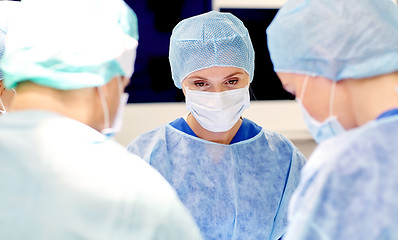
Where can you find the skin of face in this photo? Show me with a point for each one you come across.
(81, 104)
(316, 97)
(216, 79)
(1, 87)
(113, 93)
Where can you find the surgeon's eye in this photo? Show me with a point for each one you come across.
(200, 84)
(232, 82)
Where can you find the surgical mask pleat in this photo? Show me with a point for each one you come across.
(217, 111)
(321, 131)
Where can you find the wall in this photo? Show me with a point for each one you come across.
(281, 116)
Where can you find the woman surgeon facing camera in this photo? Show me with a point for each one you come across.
(235, 177)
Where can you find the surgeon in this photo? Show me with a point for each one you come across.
(7, 10)
(235, 177)
(61, 176)
(340, 59)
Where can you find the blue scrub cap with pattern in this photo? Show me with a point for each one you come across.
(70, 44)
(208, 40)
(336, 39)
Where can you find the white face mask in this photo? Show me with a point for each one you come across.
(321, 130)
(108, 130)
(217, 111)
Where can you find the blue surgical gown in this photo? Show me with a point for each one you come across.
(349, 187)
(236, 191)
(60, 179)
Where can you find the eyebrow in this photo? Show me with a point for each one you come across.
(231, 75)
(197, 77)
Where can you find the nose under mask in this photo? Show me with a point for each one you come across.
(330, 127)
(217, 111)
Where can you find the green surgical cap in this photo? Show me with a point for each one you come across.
(70, 44)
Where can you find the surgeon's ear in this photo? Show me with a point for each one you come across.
(1, 88)
(183, 88)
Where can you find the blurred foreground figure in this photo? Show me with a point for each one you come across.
(340, 59)
(61, 176)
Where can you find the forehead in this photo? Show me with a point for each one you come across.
(217, 73)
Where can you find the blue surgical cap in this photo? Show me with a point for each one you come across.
(208, 40)
(70, 44)
(336, 39)
(7, 10)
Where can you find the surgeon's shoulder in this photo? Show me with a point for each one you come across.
(277, 137)
(148, 197)
(283, 145)
(147, 140)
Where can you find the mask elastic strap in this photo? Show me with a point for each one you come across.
(2, 105)
(104, 107)
(119, 84)
(331, 100)
(304, 87)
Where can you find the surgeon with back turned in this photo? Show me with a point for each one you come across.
(235, 177)
(61, 175)
(340, 59)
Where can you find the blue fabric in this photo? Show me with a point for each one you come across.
(336, 39)
(349, 187)
(389, 113)
(60, 179)
(247, 130)
(236, 191)
(183, 126)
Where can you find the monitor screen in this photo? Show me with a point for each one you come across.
(265, 85)
(152, 82)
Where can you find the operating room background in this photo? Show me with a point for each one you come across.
(152, 80)
(154, 100)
